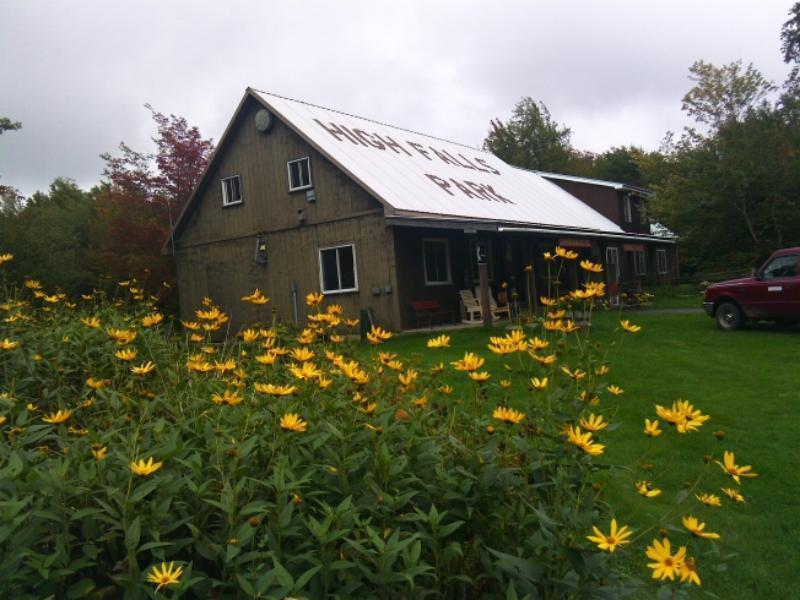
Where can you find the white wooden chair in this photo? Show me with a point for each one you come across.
(470, 307)
(496, 310)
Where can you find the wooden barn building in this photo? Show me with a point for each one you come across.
(298, 198)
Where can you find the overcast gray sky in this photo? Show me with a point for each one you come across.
(76, 73)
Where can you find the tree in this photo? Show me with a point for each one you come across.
(48, 236)
(531, 139)
(725, 94)
(8, 193)
(142, 198)
(7, 124)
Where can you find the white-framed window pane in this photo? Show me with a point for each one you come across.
(639, 266)
(436, 261)
(231, 190)
(299, 174)
(338, 269)
(661, 258)
(626, 208)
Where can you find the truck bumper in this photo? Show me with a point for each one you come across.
(709, 308)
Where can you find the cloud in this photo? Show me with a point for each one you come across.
(77, 74)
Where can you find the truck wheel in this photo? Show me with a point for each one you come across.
(729, 316)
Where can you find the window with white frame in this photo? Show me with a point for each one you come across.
(626, 208)
(436, 261)
(299, 174)
(231, 190)
(337, 269)
(639, 263)
(661, 261)
(642, 211)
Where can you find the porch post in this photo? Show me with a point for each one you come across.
(483, 280)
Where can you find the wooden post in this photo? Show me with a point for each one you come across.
(483, 280)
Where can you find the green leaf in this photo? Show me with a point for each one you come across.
(133, 533)
(80, 589)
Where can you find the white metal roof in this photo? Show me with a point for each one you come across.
(417, 174)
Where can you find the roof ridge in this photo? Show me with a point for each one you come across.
(347, 114)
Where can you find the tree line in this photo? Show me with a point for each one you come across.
(729, 187)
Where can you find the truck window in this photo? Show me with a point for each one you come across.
(782, 266)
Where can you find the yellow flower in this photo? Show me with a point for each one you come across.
(709, 499)
(505, 383)
(683, 415)
(420, 402)
(196, 337)
(575, 375)
(99, 452)
(470, 362)
(733, 494)
(698, 528)
(122, 336)
(293, 422)
(3, 419)
(168, 575)
(92, 322)
(593, 422)
(301, 354)
(266, 359)
(545, 301)
(7, 344)
(306, 371)
(30, 407)
(378, 335)
(227, 397)
(480, 377)
(97, 384)
(256, 298)
(509, 415)
(548, 256)
(443, 341)
(615, 390)
(601, 370)
(437, 368)
(145, 468)
(4, 258)
(629, 327)
(191, 325)
(152, 319)
(616, 537)
(32, 284)
(567, 254)
(407, 378)
(275, 390)
(314, 299)
(143, 369)
(543, 360)
(539, 384)
(352, 322)
(368, 408)
(446, 389)
(688, 571)
(665, 565)
(57, 417)
(588, 265)
(735, 471)
(651, 428)
(225, 366)
(646, 489)
(583, 440)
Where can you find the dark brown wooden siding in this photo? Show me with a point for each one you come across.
(608, 202)
(215, 250)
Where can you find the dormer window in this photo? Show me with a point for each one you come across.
(299, 174)
(626, 208)
(231, 191)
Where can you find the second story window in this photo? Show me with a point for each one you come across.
(231, 191)
(299, 174)
(626, 208)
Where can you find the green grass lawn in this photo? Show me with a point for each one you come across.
(749, 382)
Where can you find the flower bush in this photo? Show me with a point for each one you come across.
(301, 462)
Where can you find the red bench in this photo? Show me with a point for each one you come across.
(431, 310)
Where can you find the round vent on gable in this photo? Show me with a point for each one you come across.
(264, 120)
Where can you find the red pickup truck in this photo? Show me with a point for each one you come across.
(773, 292)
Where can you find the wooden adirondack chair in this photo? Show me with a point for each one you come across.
(470, 307)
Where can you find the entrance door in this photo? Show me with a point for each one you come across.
(612, 274)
